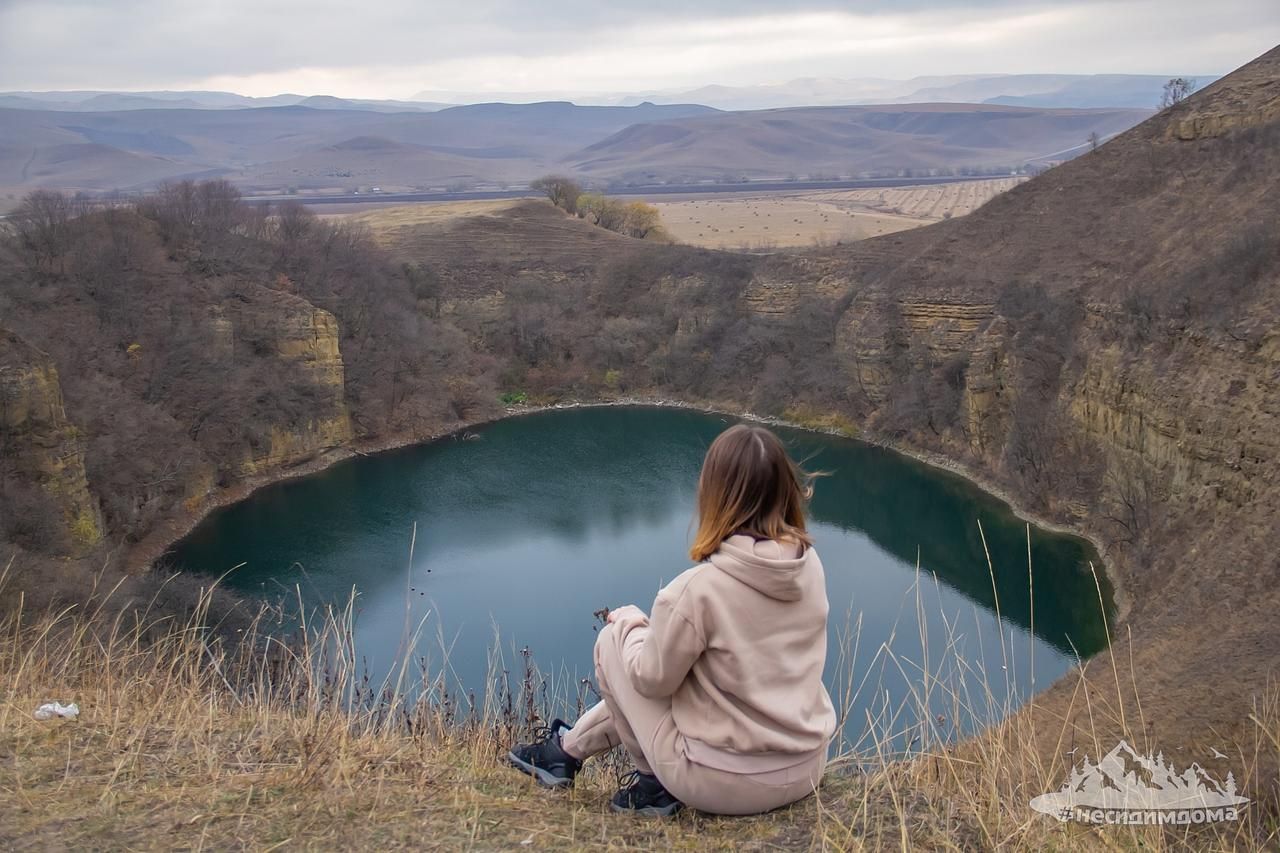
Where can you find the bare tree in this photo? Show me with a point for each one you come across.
(43, 224)
(1094, 140)
(1176, 91)
(207, 214)
(293, 222)
(562, 191)
(1132, 502)
(426, 285)
(173, 207)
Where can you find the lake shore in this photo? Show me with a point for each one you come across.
(934, 460)
(150, 551)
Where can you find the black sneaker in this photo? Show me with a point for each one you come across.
(643, 794)
(544, 759)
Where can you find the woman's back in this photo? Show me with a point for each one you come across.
(755, 616)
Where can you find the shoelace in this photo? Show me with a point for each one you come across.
(629, 780)
(543, 732)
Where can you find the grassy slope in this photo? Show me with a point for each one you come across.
(181, 744)
(1149, 219)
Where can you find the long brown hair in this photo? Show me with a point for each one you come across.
(749, 485)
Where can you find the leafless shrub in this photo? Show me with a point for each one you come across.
(561, 190)
(1176, 91)
(43, 223)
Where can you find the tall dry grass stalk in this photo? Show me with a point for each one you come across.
(277, 736)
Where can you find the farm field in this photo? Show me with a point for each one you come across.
(738, 221)
(385, 221)
(786, 219)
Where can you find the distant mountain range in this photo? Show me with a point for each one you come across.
(1137, 91)
(92, 101)
(305, 149)
(300, 148)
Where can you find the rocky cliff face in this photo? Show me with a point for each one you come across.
(38, 441)
(1203, 418)
(1107, 335)
(1244, 99)
(280, 326)
(1104, 341)
(175, 392)
(988, 389)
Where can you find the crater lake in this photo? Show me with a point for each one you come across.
(946, 609)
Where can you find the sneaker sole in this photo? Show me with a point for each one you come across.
(546, 779)
(648, 811)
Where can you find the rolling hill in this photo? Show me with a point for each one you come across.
(270, 148)
(94, 101)
(300, 148)
(844, 140)
(1083, 91)
(1137, 91)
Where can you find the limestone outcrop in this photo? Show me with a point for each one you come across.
(289, 329)
(40, 443)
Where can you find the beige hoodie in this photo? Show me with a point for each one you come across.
(739, 643)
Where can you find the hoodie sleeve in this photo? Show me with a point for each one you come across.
(659, 658)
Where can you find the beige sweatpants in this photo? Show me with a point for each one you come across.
(644, 726)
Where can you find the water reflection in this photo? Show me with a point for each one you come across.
(549, 517)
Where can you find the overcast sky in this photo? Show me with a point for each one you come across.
(397, 48)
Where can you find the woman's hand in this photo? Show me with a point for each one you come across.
(626, 611)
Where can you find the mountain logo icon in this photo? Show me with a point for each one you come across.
(1125, 784)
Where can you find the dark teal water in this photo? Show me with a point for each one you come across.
(524, 532)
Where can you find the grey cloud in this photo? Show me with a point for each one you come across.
(168, 43)
(73, 42)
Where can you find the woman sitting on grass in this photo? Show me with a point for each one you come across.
(718, 696)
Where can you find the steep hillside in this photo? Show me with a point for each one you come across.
(167, 385)
(1102, 339)
(841, 140)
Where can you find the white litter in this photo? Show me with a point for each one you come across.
(49, 710)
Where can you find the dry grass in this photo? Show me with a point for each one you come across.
(768, 221)
(732, 221)
(809, 417)
(187, 741)
(384, 220)
(930, 202)
(806, 218)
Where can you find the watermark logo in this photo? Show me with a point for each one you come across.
(1126, 787)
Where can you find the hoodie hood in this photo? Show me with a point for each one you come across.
(771, 568)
